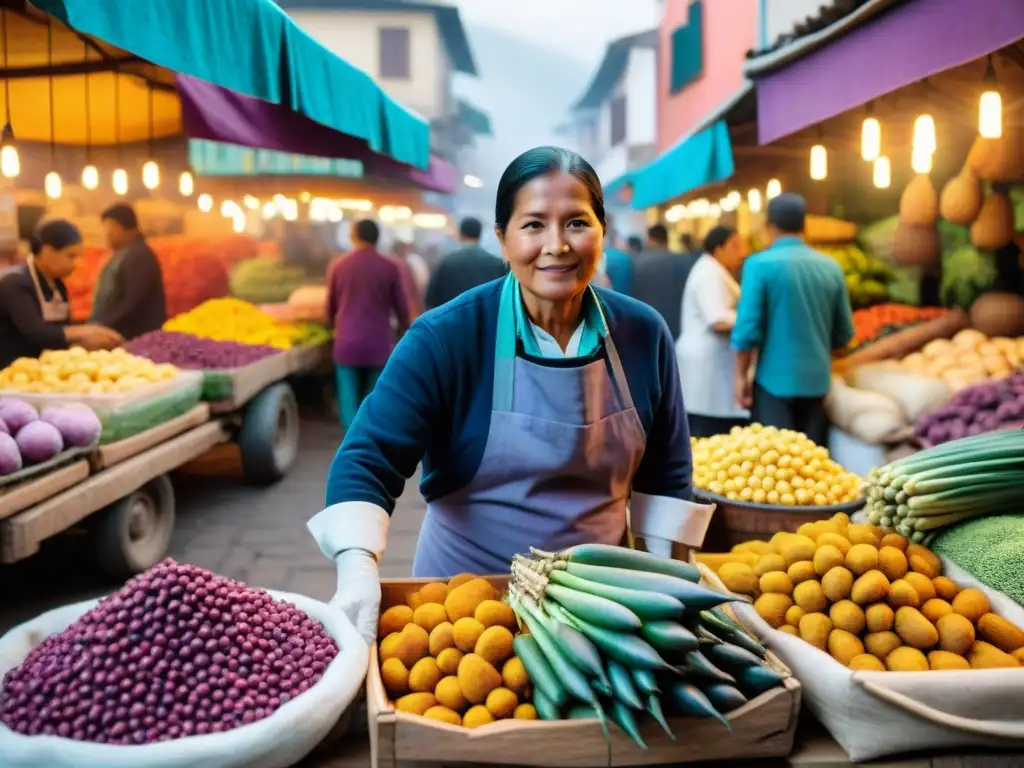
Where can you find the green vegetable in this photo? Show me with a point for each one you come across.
(654, 707)
(689, 700)
(622, 685)
(731, 657)
(597, 610)
(540, 672)
(646, 681)
(966, 274)
(546, 709)
(623, 557)
(693, 596)
(669, 636)
(753, 681)
(627, 649)
(991, 549)
(697, 664)
(624, 718)
(649, 606)
(574, 681)
(723, 697)
(580, 652)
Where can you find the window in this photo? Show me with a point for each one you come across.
(618, 110)
(688, 49)
(394, 53)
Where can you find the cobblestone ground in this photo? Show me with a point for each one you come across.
(257, 535)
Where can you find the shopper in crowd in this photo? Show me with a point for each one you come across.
(400, 253)
(793, 314)
(660, 276)
(34, 309)
(130, 292)
(634, 245)
(706, 359)
(365, 294)
(538, 405)
(418, 268)
(466, 267)
(618, 266)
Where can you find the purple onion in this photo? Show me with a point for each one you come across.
(193, 353)
(100, 681)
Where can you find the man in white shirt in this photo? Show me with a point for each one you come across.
(708, 314)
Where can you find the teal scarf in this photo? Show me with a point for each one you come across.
(514, 324)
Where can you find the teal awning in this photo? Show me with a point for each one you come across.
(215, 158)
(252, 47)
(473, 118)
(703, 158)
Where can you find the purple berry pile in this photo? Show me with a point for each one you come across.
(178, 651)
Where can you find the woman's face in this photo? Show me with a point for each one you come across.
(554, 239)
(59, 262)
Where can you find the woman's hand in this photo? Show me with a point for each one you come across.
(93, 336)
(358, 591)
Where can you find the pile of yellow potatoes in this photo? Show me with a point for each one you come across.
(76, 371)
(869, 599)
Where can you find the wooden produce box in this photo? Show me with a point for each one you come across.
(764, 727)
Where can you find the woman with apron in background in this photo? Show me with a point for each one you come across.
(34, 308)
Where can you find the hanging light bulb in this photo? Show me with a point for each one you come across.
(252, 203)
(10, 163)
(230, 209)
(205, 203)
(870, 139)
(90, 177)
(754, 200)
(186, 184)
(819, 162)
(121, 181)
(238, 222)
(52, 185)
(921, 161)
(924, 134)
(715, 211)
(990, 106)
(150, 174)
(269, 210)
(882, 172)
(773, 190)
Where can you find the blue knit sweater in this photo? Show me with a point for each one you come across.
(433, 402)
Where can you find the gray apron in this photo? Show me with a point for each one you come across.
(55, 309)
(563, 446)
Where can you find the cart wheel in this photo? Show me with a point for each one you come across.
(133, 533)
(269, 438)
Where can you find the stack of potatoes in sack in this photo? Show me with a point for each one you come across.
(447, 655)
(624, 634)
(872, 600)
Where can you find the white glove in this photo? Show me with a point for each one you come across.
(358, 591)
(660, 520)
(353, 534)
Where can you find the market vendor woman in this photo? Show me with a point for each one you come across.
(540, 406)
(34, 309)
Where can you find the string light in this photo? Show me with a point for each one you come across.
(238, 222)
(10, 162)
(882, 172)
(150, 174)
(870, 139)
(990, 106)
(90, 177)
(121, 181)
(819, 162)
(773, 190)
(205, 203)
(921, 161)
(924, 134)
(754, 200)
(186, 184)
(52, 184)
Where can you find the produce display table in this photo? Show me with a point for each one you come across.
(249, 380)
(114, 453)
(15, 498)
(814, 749)
(21, 534)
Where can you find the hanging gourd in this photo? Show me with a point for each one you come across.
(993, 228)
(919, 204)
(998, 314)
(999, 159)
(961, 198)
(916, 246)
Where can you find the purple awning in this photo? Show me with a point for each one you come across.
(903, 46)
(217, 114)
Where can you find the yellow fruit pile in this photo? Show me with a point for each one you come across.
(765, 465)
(235, 320)
(78, 372)
(447, 655)
(870, 599)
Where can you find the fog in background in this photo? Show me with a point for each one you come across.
(534, 58)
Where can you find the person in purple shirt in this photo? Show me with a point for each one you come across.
(365, 294)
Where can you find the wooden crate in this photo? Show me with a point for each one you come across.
(764, 727)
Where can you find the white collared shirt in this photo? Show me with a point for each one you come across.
(549, 346)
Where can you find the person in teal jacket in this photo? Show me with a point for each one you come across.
(794, 312)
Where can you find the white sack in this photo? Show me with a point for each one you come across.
(921, 710)
(915, 392)
(868, 416)
(277, 741)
